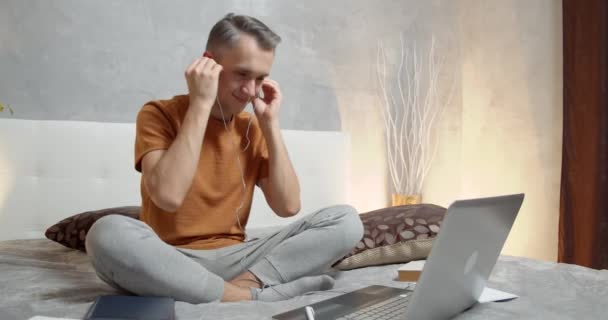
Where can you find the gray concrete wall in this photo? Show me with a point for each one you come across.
(101, 60)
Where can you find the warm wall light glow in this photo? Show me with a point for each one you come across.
(503, 137)
(7, 178)
(369, 187)
(508, 129)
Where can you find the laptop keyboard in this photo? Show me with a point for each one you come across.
(392, 308)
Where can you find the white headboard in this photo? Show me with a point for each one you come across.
(50, 170)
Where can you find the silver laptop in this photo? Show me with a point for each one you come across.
(455, 273)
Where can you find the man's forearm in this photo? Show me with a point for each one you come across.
(283, 181)
(175, 170)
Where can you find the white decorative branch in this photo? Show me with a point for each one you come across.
(409, 118)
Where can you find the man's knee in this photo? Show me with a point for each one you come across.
(348, 224)
(352, 226)
(105, 235)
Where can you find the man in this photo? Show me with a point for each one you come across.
(200, 157)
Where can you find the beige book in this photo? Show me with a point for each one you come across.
(410, 272)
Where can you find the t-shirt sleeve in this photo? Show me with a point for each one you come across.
(153, 132)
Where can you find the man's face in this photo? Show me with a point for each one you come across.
(244, 69)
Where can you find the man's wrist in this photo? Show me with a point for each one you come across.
(268, 126)
(200, 111)
(202, 104)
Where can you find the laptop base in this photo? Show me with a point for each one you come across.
(336, 307)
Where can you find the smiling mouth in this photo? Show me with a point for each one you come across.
(241, 99)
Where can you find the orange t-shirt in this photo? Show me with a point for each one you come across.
(207, 217)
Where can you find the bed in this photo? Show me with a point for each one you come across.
(53, 169)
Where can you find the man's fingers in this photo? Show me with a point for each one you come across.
(270, 81)
(217, 68)
(205, 66)
(271, 91)
(201, 65)
(192, 66)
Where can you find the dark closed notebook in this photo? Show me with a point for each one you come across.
(131, 308)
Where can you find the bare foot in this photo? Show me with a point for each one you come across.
(235, 293)
(246, 280)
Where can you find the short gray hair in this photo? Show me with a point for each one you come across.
(226, 32)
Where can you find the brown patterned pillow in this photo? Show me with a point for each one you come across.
(395, 235)
(72, 232)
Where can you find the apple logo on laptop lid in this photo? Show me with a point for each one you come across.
(471, 262)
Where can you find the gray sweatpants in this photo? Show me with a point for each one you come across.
(128, 255)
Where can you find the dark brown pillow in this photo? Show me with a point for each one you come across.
(395, 235)
(72, 232)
